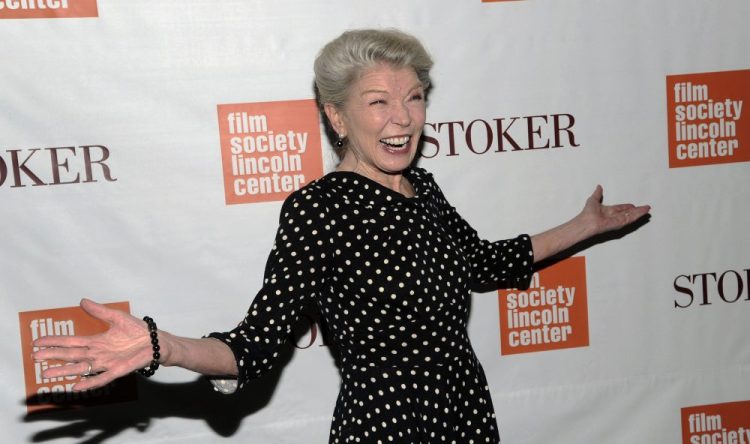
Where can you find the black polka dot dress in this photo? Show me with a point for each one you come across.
(392, 277)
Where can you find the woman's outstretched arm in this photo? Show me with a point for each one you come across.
(126, 347)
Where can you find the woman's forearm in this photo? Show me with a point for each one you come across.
(561, 237)
(208, 356)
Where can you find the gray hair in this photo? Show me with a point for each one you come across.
(345, 58)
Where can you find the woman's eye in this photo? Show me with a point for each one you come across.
(378, 102)
(417, 97)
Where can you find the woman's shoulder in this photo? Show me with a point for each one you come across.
(319, 189)
(315, 196)
(423, 181)
(420, 173)
(311, 192)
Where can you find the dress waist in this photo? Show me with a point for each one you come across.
(413, 345)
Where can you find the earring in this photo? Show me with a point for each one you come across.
(339, 141)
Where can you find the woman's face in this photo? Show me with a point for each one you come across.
(383, 118)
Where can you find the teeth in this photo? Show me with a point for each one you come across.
(396, 141)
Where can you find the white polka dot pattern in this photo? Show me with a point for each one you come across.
(392, 277)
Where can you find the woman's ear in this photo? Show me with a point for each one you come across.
(336, 118)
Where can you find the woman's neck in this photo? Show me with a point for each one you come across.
(394, 181)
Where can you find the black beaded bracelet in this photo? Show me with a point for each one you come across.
(151, 369)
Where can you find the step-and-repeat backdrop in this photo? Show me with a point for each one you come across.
(146, 147)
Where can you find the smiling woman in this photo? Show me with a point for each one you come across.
(387, 261)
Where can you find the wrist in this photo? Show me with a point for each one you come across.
(166, 341)
(585, 226)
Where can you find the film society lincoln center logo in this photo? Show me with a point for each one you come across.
(551, 314)
(726, 423)
(269, 150)
(29, 9)
(50, 393)
(706, 118)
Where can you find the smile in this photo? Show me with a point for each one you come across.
(396, 142)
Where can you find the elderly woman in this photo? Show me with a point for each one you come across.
(387, 260)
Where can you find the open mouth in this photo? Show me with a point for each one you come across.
(396, 143)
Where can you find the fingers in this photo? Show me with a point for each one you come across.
(74, 369)
(624, 214)
(598, 194)
(62, 353)
(90, 377)
(99, 311)
(92, 382)
(638, 212)
(620, 208)
(62, 341)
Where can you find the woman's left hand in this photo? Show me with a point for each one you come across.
(600, 218)
(595, 218)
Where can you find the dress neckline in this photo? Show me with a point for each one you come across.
(381, 189)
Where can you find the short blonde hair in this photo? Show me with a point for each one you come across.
(345, 58)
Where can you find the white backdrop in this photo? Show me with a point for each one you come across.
(144, 79)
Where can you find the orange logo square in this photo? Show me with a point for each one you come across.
(551, 314)
(705, 118)
(269, 150)
(716, 423)
(21, 9)
(53, 393)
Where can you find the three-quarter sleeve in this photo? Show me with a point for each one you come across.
(294, 275)
(503, 263)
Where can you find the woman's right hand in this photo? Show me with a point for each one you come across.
(122, 349)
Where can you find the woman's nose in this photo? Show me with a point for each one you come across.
(400, 115)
